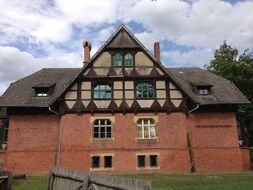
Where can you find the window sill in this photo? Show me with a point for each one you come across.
(148, 168)
(146, 140)
(102, 139)
(101, 169)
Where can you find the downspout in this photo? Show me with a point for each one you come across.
(57, 162)
(191, 155)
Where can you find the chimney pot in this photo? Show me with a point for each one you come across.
(157, 51)
(86, 49)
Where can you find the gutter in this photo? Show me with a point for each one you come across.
(57, 159)
(188, 138)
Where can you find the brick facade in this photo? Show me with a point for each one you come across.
(33, 143)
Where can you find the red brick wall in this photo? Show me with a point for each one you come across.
(246, 164)
(214, 141)
(77, 144)
(32, 143)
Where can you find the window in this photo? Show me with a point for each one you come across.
(153, 163)
(102, 129)
(43, 89)
(145, 90)
(153, 160)
(204, 91)
(117, 60)
(102, 91)
(95, 161)
(108, 161)
(146, 129)
(5, 126)
(128, 60)
(141, 161)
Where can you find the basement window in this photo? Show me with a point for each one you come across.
(108, 161)
(141, 161)
(153, 160)
(95, 161)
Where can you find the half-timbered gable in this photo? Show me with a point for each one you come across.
(124, 76)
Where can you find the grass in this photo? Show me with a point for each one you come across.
(226, 181)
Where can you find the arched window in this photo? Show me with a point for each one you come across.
(117, 60)
(102, 91)
(128, 60)
(145, 90)
(146, 129)
(102, 129)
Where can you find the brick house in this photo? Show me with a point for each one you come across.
(123, 111)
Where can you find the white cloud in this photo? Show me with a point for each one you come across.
(15, 64)
(193, 58)
(201, 24)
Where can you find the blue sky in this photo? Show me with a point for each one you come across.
(49, 33)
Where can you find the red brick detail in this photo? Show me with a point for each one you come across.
(157, 51)
(32, 143)
(246, 164)
(218, 160)
(214, 141)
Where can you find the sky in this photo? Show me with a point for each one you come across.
(36, 34)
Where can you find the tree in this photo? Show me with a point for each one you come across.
(239, 69)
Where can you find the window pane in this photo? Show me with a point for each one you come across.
(108, 161)
(102, 128)
(95, 161)
(117, 60)
(146, 132)
(128, 60)
(145, 90)
(102, 91)
(141, 161)
(140, 132)
(146, 128)
(153, 161)
(152, 132)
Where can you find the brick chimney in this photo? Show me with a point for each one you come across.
(157, 51)
(86, 51)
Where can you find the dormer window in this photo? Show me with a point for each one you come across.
(204, 89)
(117, 60)
(43, 89)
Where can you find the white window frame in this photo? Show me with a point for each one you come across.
(149, 125)
(99, 126)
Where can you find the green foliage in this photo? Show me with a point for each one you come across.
(239, 69)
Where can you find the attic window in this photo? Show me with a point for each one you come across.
(204, 89)
(43, 89)
(117, 60)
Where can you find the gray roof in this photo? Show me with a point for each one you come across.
(21, 92)
(223, 91)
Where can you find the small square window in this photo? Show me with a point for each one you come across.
(153, 161)
(95, 161)
(141, 161)
(204, 91)
(108, 162)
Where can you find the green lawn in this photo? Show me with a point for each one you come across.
(230, 181)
